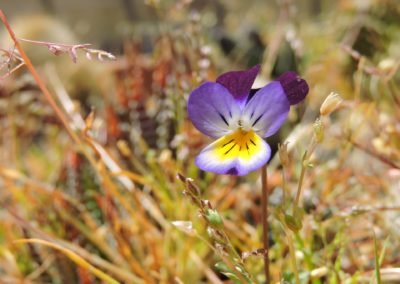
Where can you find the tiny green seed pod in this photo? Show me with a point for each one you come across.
(294, 223)
(319, 130)
(214, 218)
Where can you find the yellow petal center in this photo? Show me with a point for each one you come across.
(240, 144)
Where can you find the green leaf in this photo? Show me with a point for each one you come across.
(377, 264)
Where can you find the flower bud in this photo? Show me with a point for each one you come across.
(283, 154)
(318, 130)
(214, 218)
(330, 104)
(294, 223)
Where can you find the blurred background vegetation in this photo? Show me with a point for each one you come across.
(106, 206)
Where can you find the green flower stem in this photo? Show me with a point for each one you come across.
(290, 240)
(284, 188)
(299, 188)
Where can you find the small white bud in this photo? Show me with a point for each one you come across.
(331, 103)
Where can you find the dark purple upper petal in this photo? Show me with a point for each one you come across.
(239, 82)
(294, 86)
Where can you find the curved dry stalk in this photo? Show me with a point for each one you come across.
(45, 90)
(117, 271)
(72, 256)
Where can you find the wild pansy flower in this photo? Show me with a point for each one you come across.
(240, 117)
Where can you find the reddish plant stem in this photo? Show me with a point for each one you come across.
(45, 90)
(371, 152)
(264, 204)
(45, 43)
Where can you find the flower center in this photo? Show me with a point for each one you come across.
(240, 144)
(244, 124)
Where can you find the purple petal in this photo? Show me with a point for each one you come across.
(267, 110)
(239, 82)
(212, 109)
(224, 156)
(294, 86)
